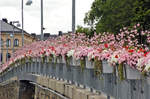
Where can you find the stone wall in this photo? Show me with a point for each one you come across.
(44, 94)
(45, 88)
(63, 88)
(9, 91)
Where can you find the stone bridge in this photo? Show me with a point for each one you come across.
(48, 80)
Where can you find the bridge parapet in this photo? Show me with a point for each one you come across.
(107, 83)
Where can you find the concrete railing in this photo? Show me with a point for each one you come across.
(107, 82)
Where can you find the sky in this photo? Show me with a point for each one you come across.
(57, 14)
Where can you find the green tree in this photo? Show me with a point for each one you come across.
(111, 15)
(142, 13)
(87, 31)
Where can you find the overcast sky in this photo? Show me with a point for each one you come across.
(57, 14)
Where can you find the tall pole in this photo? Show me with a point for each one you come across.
(22, 14)
(41, 19)
(7, 44)
(73, 16)
(0, 43)
(13, 50)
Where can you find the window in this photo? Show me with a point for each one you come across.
(1, 43)
(1, 57)
(8, 56)
(8, 43)
(16, 42)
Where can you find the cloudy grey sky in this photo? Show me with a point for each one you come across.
(57, 14)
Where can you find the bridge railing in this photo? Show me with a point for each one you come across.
(107, 82)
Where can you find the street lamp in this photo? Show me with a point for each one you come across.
(22, 14)
(29, 2)
(73, 16)
(12, 35)
(0, 42)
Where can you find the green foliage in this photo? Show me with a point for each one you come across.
(43, 59)
(22, 61)
(98, 68)
(29, 59)
(111, 15)
(68, 60)
(87, 31)
(142, 13)
(50, 59)
(120, 71)
(82, 63)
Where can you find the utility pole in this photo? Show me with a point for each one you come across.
(73, 16)
(42, 20)
(22, 14)
(0, 42)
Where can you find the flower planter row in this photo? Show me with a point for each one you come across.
(126, 73)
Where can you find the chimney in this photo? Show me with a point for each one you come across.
(46, 34)
(5, 20)
(60, 33)
(33, 34)
(69, 31)
(10, 23)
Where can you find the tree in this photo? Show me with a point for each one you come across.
(112, 15)
(142, 13)
(87, 31)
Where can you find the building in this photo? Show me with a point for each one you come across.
(46, 36)
(8, 43)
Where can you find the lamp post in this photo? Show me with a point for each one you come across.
(73, 16)
(12, 35)
(22, 14)
(42, 20)
(29, 2)
(0, 43)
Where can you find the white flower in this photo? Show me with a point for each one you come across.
(140, 62)
(147, 67)
(70, 53)
(104, 51)
(91, 55)
(113, 59)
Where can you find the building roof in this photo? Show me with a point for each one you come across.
(8, 28)
(46, 36)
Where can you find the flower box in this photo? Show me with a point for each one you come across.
(71, 62)
(16, 64)
(75, 62)
(39, 59)
(54, 60)
(132, 73)
(148, 80)
(89, 64)
(107, 68)
(59, 59)
(63, 60)
(34, 59)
